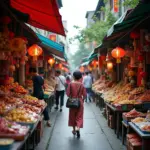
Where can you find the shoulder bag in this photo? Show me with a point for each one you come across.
(73, 102)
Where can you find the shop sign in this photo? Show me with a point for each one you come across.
(116, 5)
(52, 37)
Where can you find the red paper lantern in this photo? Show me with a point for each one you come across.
(35, 51)
(118, 53)
(143, 74)
(51, 61)
(109, 65)
(60, 66)
(5, 19)
(134, 35)
(95, 63)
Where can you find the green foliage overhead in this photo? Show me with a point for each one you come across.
(131, 3)
(96, 31)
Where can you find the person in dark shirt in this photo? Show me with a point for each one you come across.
(38, 85)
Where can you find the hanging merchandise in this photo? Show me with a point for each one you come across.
(35, 51)
(134, 35)
(12, 68)
(118, 53)
(140, 59)
(17, 44)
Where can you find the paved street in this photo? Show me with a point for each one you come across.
(94, 136)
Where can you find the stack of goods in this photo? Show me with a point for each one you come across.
(15, 87)
(22, 115)
(133, 142)
(9, 129)
(143, 123)
(33, 101)
(131, 115)
(145, 97)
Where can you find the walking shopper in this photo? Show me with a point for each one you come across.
(59, 89)
(87, 82)
(38, 83)
(75, 89)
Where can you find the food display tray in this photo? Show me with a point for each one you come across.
(30, 125)
(17, 137)
(143, 131)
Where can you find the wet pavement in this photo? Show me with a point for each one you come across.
(94, 136)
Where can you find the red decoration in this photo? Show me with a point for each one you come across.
(52, 37)
(5, 19)
(116, 5)
(143, 74)
(51, 61)
(35, 51)
(11, 35)
(141, 58)
(25, 39)
(134, 35)
(109, 65)
(118, 53)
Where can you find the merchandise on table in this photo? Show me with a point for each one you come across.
(12, 130)
(38, 103)
(31, 108)
(22, 115)
(133, 113)
(139, 119)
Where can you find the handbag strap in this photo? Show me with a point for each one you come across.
(77, 92)
(61, 81)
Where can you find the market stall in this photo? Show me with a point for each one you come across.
(123, 65)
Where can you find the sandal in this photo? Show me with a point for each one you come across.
(48, 124)
(74, 132)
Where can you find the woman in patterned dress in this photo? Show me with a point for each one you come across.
(76, 90)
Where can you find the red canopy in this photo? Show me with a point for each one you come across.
(43, 14)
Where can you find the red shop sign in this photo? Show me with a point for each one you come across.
(116, 5)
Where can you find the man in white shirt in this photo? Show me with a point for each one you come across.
(87, 82)
(59, 89)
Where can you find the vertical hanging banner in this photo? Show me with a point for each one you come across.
(116, 5)
(52, 37)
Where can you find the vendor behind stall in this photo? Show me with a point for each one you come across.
(38, 85)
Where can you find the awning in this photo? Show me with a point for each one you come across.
(93, 56)
(43, 14)
(111, 30)
(85, 63)
(51, 46)
(51, 43)
(140, 10)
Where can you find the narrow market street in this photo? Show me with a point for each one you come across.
(94, 136)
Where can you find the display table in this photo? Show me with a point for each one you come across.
(125, 127)
(49, 99)
(26, 144)
(99, 100)
(117, 117)
(143, 136)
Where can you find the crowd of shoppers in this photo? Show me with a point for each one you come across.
(77, 84)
